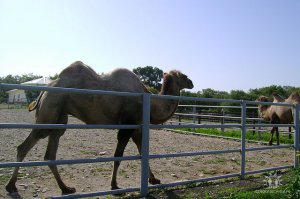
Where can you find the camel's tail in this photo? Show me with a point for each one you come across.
(33, 105)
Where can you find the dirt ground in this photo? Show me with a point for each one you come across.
(38, 182)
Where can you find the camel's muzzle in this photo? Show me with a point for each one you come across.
(190, 84)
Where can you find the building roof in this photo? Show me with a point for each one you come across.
(36, 82)
(40, 81)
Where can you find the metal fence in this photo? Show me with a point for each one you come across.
(187, 114)
(145, 127)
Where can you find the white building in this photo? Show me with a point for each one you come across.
(19, 96)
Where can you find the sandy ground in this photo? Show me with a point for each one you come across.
(39, 182)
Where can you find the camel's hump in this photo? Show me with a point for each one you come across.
(78, 68)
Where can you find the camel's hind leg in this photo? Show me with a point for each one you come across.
(22, 151)
(137, 138)
(271, 137)
(123, 138)
(51, 155)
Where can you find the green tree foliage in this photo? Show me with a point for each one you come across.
(10, 79)
(54, 77)
(150, 76)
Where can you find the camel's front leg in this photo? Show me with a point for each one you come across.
(51, 155)
(123, 139)
(137, 138)
(23, 149)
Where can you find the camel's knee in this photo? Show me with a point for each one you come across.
(22, 151)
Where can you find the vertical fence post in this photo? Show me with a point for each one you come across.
(258, 129)
(194, 117)
(222, 119)
(296, 135)
(253, 122)
(194, 112)
(243, 138)
(145, 144)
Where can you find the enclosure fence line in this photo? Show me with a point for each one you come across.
(145, 127)
(218, 117)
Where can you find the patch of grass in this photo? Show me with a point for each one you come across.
(87, 152)
(4, 178)
(210, 172)
(258, 195)
(284, 138)
(13, 106)
(290, 190)
(196, 159)
(123, 172)
(98, 170)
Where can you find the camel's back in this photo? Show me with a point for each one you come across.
(105, 109)
(80, 75)
(123, 79)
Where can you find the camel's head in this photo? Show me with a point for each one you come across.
(181, 79)
(262, 108)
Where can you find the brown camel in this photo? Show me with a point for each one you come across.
(54, 107)
(277, 114)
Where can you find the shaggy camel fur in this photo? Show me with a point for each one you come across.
(277, 114)
(54, 107)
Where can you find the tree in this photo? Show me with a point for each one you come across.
(150, 76)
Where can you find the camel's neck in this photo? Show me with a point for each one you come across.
(264, 112)
(163, 109)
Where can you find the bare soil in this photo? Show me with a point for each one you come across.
(38, 182)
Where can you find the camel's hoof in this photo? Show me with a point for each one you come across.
(68, 190)
(154, 181)
(115, 187)
(11, 188)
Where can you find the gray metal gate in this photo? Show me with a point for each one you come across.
(145, 127)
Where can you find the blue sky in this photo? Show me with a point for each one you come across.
(220, 44)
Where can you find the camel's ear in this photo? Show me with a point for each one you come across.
(178, 73)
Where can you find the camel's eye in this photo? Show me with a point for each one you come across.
(184, 76)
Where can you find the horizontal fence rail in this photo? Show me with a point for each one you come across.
(145, 126)
(201, 114)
